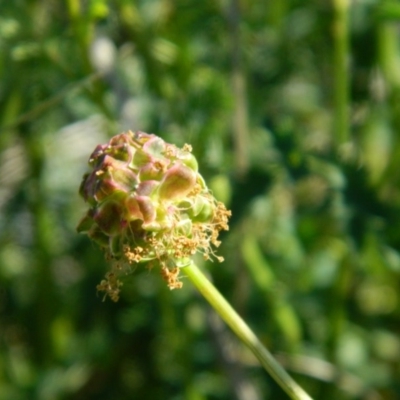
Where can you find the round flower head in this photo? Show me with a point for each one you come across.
(148, 203)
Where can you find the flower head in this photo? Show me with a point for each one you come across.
(148, 203)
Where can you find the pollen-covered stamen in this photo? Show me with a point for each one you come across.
(110, 286)
(171, 276)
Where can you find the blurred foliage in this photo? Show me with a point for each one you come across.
(312, 257)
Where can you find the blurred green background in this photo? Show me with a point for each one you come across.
(293, 110)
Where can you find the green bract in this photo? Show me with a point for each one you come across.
(148, 203)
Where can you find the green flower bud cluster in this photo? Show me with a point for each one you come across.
(148, 203)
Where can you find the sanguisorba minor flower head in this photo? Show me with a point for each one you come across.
(148, 203)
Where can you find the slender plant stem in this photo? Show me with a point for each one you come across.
(389, 59)
(245, 334)
(341, 70)
(240, 114)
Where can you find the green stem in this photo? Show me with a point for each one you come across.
(245, 334)
(341, 70)
(240, 115)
